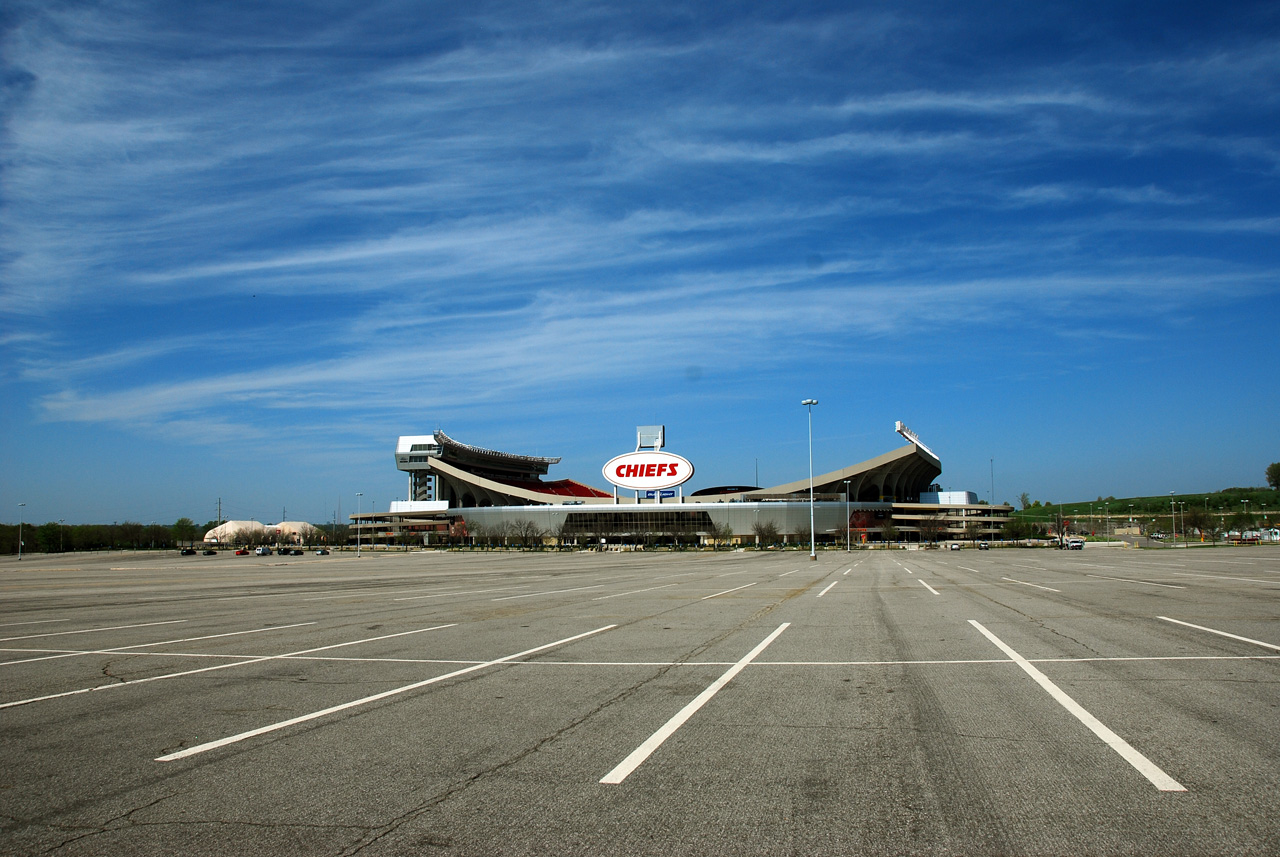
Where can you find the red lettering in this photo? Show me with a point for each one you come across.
(650, 470)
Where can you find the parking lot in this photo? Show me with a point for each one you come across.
(1028, 702)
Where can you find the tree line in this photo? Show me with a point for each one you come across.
(55, 537)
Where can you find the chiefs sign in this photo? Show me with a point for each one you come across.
(646, 471)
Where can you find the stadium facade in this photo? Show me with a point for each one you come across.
(463, 493)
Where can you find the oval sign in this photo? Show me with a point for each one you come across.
(644, 471)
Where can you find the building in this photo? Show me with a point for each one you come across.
(258, 533)
(460, 492)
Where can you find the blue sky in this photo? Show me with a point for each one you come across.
(245, 246)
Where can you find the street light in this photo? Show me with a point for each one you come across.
(847, 535)
(359, 494)
(813, 544)
(61, 521)
(20, 516)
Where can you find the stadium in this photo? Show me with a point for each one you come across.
(464, 494)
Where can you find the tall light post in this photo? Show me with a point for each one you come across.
(847, 535)
(61, 521)
(1173, 517)
(359, 494)
(813, 542)
(20, 517)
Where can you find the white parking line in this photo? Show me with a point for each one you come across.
(789, 572)
(633, 592)
(253, 733)
(91, 630)
(828, 589)
(32, 622)
(548, 592)
(148, 645)
(446, 594)
(645, 750)
(1221, 577)
(928, 587)
(1141, 763)
(1024, 583)
(726, 592)
(1221, 633)
(242, 663)
(1128, 580)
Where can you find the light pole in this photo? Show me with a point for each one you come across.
(813, 543)
(20, 516)
(1173, 517)
(847, 535)
(359, 494)
(61, 521)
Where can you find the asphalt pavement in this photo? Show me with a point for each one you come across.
(1004, 702)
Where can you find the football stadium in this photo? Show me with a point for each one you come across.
(464, 494)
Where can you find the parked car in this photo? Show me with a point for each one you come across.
(210, 552)
(955, 546)
(322, 552)
(983, 546)
(263, 551)
(295, 552)
(1075, 544)
(188, 551)
(242, 552)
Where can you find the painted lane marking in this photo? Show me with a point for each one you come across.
(1221, 633)
(634, 592)
(1141, 763)
(974, 570)
(446, 594)
(645, 750)
(828, 589)
(161, 643)
(928, 587)
(248, 660)
(548, 592)
(1036, 585)
(789, 572)
(726, 592)
(91, 630)
(1221, 577)
(1127, 580)
(33, 622)
(315, 715)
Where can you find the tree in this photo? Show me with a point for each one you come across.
(526, 533)
(1273, 474)
(766, 533)
(1242, 521)
(719, 532)
(889, 530)
(184, 530)
(1198, 520)
(564, 533)
(930, 526)
(973, 530)
(1024, 499)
